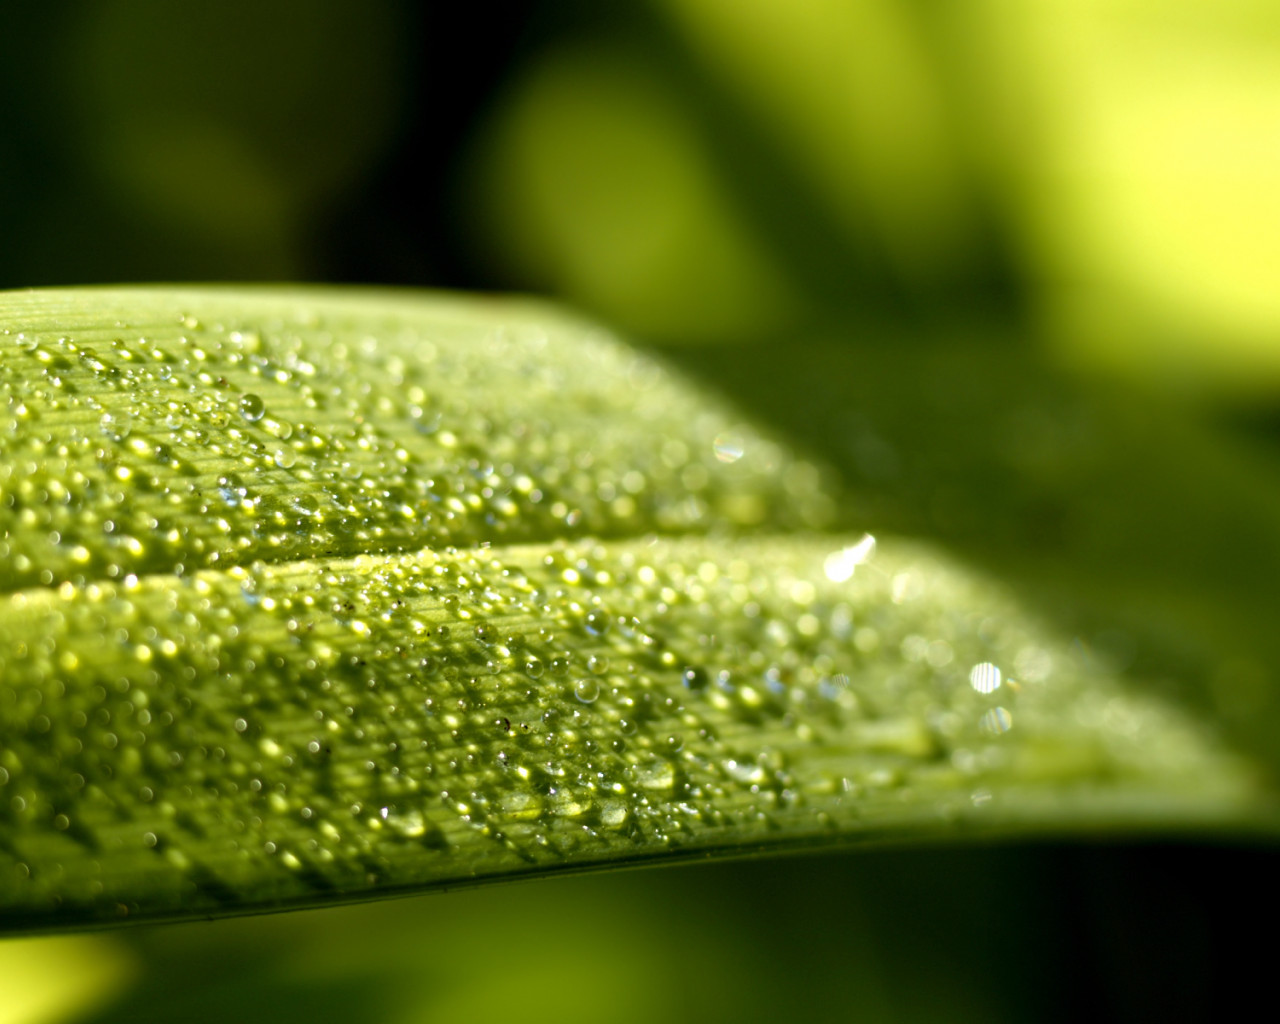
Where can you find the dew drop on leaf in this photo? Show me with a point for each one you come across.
(252, 407)
(985, 677)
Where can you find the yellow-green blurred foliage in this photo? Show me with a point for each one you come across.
(1123, 158)
(597, 184)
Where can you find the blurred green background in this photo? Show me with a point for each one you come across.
(1013, 267)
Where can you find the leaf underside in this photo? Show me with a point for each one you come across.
(321, 595)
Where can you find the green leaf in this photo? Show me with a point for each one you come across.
(316, 595)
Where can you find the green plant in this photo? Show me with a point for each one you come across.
(313, 595)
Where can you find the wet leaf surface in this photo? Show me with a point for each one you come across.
(313, 596)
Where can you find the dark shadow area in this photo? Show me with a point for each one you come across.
(1046, 932)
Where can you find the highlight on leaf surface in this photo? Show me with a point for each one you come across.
(318, 595)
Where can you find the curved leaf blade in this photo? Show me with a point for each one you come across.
(151, 430)
(584, 617)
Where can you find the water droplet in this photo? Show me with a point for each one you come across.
(985, 677)
(654, 774)
(586, 690)
(744, 771)
(410, 824)
(568, 803)
(613, 814)
(116, 425)
(729, 447)
(597, 622)
(1033, 664)
(996, 721)
(694, 678)
(521, 805)
(252, 407)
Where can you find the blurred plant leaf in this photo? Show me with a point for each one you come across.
(866, 68)
(595, 179)
(311, 596)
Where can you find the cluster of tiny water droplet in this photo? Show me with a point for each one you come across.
(181, 443)
(306, 729)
